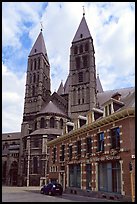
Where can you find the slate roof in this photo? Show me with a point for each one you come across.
(82, 29)
(44, 131)
(11, 136)
(39, 47)
(126, 95)
(52, 108)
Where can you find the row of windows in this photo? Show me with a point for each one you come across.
(81, 48)
(52, 123)
(33, 64)
(115, 144)
(109, 176)
(33, 78)
(82, 62)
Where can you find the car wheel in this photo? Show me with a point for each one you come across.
(50, 193)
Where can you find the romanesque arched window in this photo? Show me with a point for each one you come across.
(86, 47)
(42, 123)
(81, 48)
(30, 79)
(34, 78)
(35, 64)
(52, 122)
(75, 50)
(61, 123)
(39, 63)
(33, 90)
(35, 165)
(31, 65)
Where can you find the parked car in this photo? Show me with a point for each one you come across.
(52, 189)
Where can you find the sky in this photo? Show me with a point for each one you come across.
(112, 27)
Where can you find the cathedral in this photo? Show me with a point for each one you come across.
(49, 116)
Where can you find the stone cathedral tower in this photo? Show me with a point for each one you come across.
(82, 92)
(38, 79)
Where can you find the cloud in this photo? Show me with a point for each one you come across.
(13, 92)
(111, 24)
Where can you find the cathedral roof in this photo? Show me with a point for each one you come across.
(52, 108)
(44, 131)
(82, 31)
(39, 47)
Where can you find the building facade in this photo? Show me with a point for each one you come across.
(94, 127)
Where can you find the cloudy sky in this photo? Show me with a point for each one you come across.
(112, 26)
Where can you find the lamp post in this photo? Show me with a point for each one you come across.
(131, 178)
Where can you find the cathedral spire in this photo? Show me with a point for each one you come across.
(82, 31)
(39, 47)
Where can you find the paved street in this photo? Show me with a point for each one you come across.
(32, 194)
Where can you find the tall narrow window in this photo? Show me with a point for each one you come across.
(75, 50)
(81, 48)
(52, 122)
(77, 62)
(31, 65)
(70, 152)
(30, 79)
(35, 165)
(80, 76)
(89, 144)
(42, 123)
(38, 63)
(115, 138)
(35, 64)
(62, 157)
(79, 148)
(86, 47)
(61, 123)
(88, 176)
(54, 154)
(85, 61)
(101, 142)
(34, 78)
(33, 90)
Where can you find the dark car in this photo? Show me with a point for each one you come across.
(52, 189)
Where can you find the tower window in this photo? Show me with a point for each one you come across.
(34, 77)
(75, 50)
(86, 47)
(61, 123)
(85, 61)
(30, 78)
(35, 50)
(52, 122)
(81, 35)
(80, 76)
(35, 64)
(31, 65)
(78, 63)
(33, 91)
(42, 123)
(81, 48)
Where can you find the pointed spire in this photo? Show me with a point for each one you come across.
(61, 88)
(39, 47)
(99, 86)
(82, 31)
